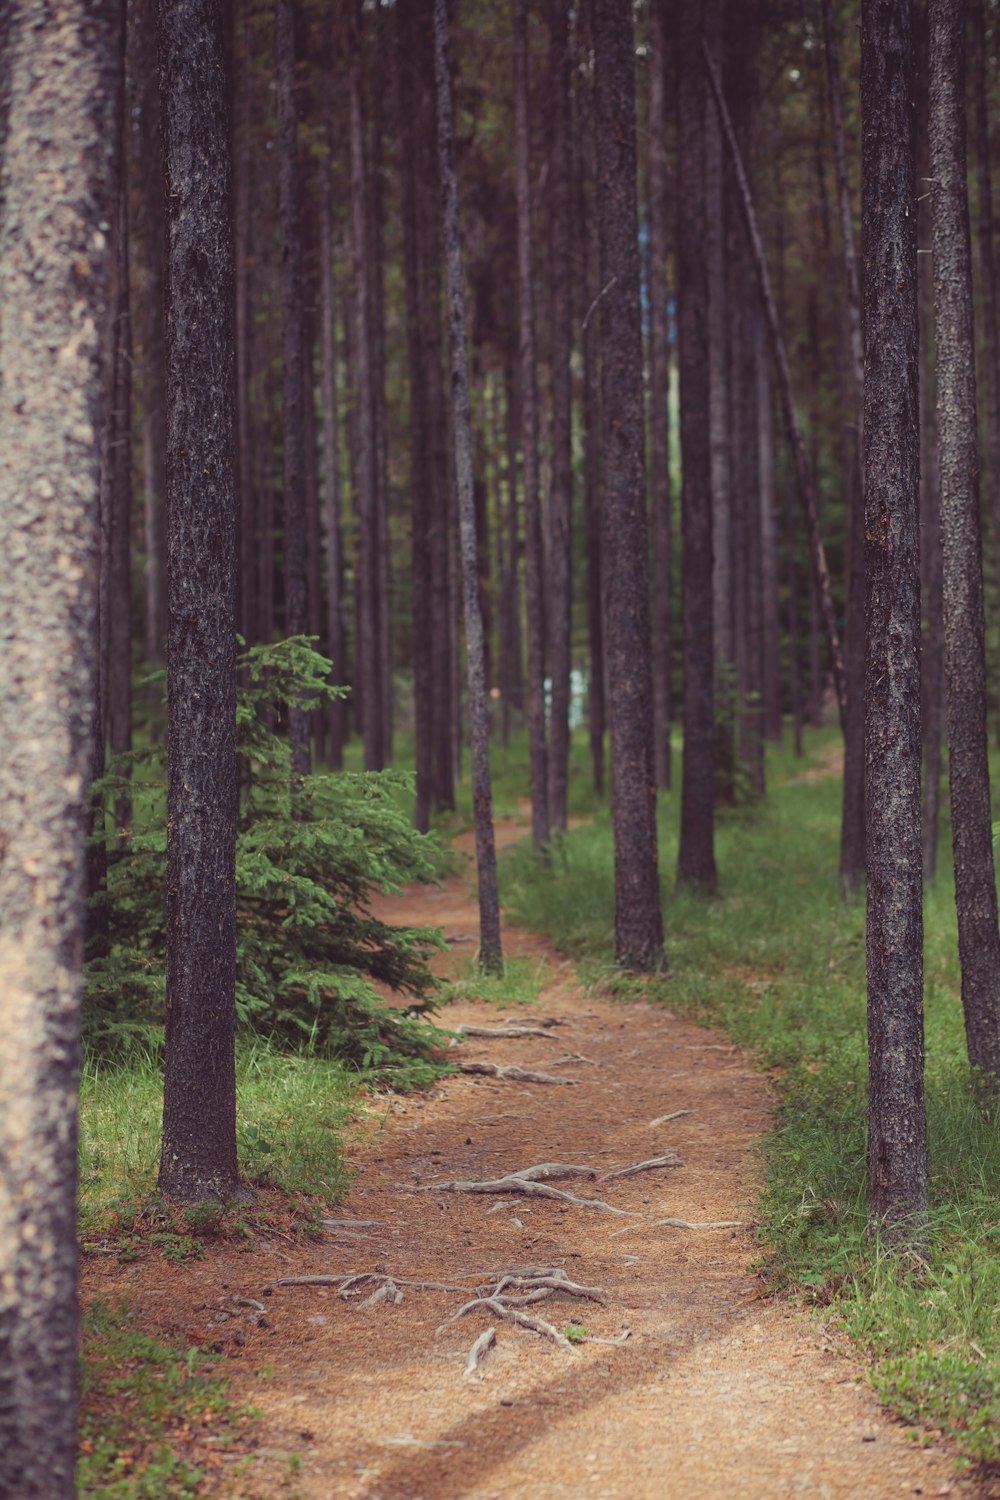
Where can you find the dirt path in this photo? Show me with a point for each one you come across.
(715, 1393)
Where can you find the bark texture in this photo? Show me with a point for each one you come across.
(696, 858)
(490, 954)
(961, 544)
(638, 917)
(59, 85)
(198, 1157)
(897, 1139)
(659, 382)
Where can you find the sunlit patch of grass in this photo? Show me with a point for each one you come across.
(520, 983)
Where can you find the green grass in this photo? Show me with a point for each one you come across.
(520, 983)
(776, 963)
(153, 1413)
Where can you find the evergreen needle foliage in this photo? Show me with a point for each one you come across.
(311, 853)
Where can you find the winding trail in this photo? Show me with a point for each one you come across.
(717, 1392)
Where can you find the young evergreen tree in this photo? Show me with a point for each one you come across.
(897, 1135)
(961, 544)
(638, 916)
(59, 147)
(198, 1155)
(490, 953)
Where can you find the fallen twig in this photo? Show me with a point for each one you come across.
(511, 1073)
(706, 1224)
(479, 1352)
(674, 1114)
(502, 1031)
(669, 1159)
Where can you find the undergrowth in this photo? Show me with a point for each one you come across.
(776, 963)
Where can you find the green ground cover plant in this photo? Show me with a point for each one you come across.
(776, 963)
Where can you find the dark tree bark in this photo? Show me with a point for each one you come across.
(593, 500)
(931, 580)
(806, 487)
(961, 543)
(638, 917)
(696, 858)
(198, 1157)
(534, 561)
(245, 498)
(771, 625)
(558, 579)
(293, 365)
(58, 153)
(659, 380)
(148, 150)
(852, 827)
(515, 543)
(987, 272)
(332, 535)
(717, 337)
(490, 954)
(897, 1138)
(379, 415)
(120, 560)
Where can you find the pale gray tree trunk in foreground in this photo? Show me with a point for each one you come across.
(490, 955)
(59, 81)
(897, 1131)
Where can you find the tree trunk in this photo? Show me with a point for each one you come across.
(490, 954)
(659, 382)
(120, 571)
(771, 625)
(198, 1156)
(332, 536)
(932, 663)
(897, 1137)
(717, 339)
(696, 858)
(558, 576)
(242, 193)
(593, 501)
(60, 147)
(379, 417)
(961, 544)
(293, 366)
(534, 561)
(638, 918)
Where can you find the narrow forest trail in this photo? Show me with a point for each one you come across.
(715, 1393)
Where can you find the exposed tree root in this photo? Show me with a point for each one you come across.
(353, 1223)
(622, 1338)
(512, 1074)
(530, 1189)
(570, 1058)
(675, 1114)
(547, 1282)
(510, 1315)
(668, 1159)
(504, 1031)
(387, 1292)
(706, 1224)
(352, 1284)
(552, 1171)
(479, 1352)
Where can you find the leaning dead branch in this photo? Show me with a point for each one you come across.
(704, 1224)
(512, 1074)
(515, 1184)
(503, 1031)
(479, 1352)
(668, 1159)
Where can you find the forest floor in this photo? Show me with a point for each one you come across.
(718, 1389)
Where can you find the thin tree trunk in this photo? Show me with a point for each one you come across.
(717, 339)
(771, 624)
(62, 77)
(897, 1134)
(558, 575)
(593, 500)
(696, 857)
(961, 545)
(534, 561)
(332, 537)
(659, 381)
(490, 954)
(806, 487)
(294, 385)
(198, 1154)
(120, 561)
(932, 662)
(246, 611)
(638, 916)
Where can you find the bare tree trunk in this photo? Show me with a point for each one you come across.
(198, 1154)
(120, 561)
(379, 417)
(717, 338)
(593, 500)
(806, 487)
(292, 347)
(961, 545)
(490, 954)
(931, 583)
(771, 625)
(332, 536)
(696, 858)
(246, 602)
(897, 1134)
(62, 78)
(558, 572)
(659, 380)
(534, 561)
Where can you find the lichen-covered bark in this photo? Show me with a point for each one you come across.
(897, 1148)
(961, 543)
(490, 954)
(198, 1157)
(638, 917)
(59, 82)
(696, 858)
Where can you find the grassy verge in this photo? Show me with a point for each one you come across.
(776, 963)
